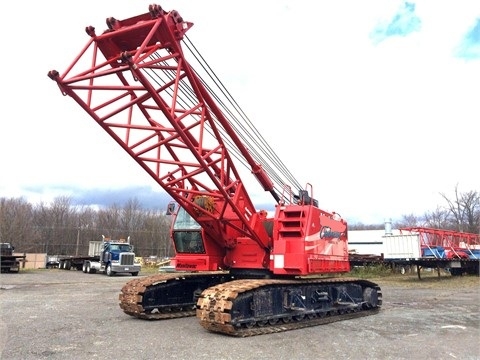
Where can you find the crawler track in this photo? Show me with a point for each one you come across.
(216, 307)
(166, 296)
(249, 307)
(270, 329)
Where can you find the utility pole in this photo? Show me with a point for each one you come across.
(78, 241)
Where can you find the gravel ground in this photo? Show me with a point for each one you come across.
(58, 314)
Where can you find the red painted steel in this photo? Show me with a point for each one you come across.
(455, 243)
(136, 83)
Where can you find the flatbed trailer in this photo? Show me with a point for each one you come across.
(75, 262)
(455, 252)
(456, 267)
(107, 256)
(9, 263)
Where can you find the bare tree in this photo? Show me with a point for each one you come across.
(158, 241)
(109, 222)
(409, 220)
(132, 216)
(471, 209)
(42, 224)
(15, 222)
(464, 210)
(64, 222)
(438, 219)
(86, 228)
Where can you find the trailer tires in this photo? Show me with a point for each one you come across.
(88, 268)
(456, 271)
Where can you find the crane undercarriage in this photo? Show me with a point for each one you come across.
(248, 307)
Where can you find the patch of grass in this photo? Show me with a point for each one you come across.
(149, 269)
(430, 280)
(376, 270)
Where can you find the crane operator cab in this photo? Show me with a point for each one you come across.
(187, 234)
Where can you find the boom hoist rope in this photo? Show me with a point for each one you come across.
(253, 140)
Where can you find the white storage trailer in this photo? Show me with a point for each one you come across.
(402, 246)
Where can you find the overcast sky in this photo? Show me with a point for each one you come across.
(374, 103)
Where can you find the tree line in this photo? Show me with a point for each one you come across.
(458, 213)
(61, 228)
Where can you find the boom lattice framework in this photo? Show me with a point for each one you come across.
(135, 82)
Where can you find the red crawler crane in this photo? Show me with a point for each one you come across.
(135, 81)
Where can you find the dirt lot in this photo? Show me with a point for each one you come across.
(58, 314)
